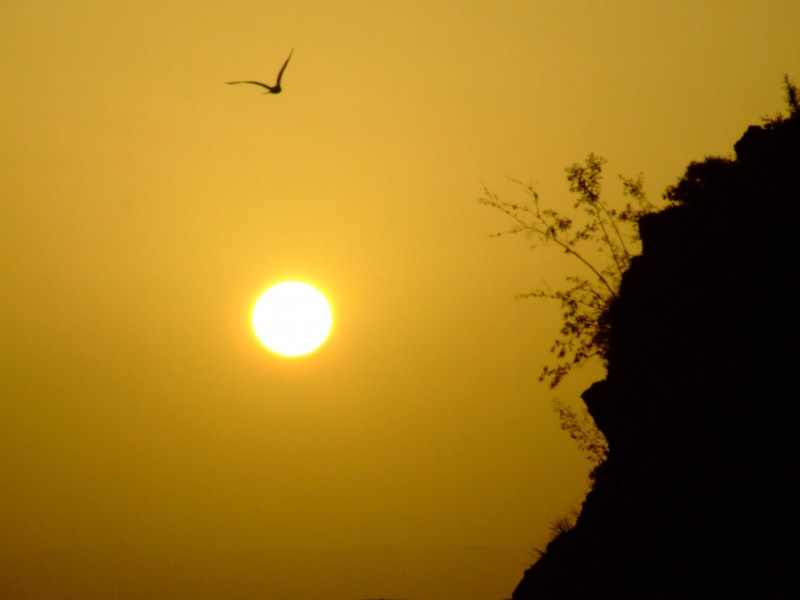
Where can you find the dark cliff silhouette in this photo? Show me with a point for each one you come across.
(700, 494)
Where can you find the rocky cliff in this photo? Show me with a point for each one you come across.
(700, 495)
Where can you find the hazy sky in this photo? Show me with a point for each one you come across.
(148, 442)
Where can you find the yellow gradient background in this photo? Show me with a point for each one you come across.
(149, 445)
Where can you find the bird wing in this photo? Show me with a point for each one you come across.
(283, 68)
(264, 85)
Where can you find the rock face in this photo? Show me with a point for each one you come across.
(700, 495)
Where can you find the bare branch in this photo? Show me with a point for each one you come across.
(585, 300)
(602, 229)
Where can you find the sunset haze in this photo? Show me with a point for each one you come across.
(150, 446)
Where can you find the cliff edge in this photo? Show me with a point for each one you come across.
(700, 495)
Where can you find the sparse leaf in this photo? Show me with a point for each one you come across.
(611, 233)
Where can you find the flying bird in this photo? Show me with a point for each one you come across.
(271, 89)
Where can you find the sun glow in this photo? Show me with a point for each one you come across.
(292, 318)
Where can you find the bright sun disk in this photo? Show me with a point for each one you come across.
(292, 318)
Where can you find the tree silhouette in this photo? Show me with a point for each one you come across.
(602, 240)
(599, 237)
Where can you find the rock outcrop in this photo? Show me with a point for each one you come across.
(700, 495)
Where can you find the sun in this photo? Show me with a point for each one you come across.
(292, 318)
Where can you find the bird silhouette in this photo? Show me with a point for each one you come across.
(271, 89)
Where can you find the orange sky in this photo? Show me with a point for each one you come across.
(148, 442)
